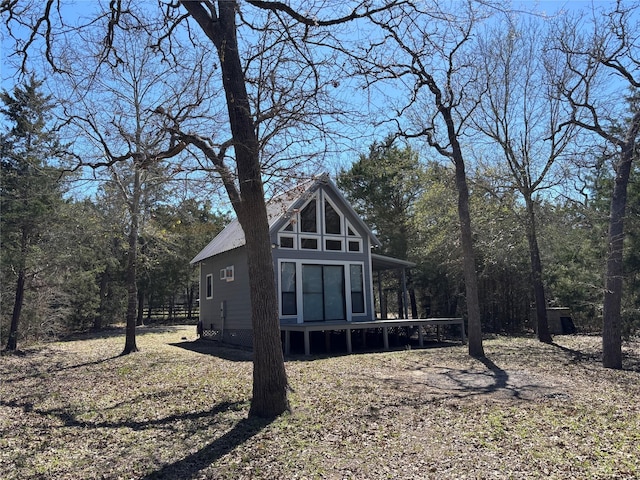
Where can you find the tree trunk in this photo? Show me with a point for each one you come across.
(470, 275)
(412, 295)
(132, 262)
(466, 237)
(400, 296)
(269, 375)
(612, 322)
(140, 313)
(536, 274)
(172, 308)
(12, 343)
(190, 291)
(98, 321)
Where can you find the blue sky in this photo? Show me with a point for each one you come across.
(548, 7)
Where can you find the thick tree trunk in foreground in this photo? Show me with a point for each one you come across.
(612, 322)
(269, 375)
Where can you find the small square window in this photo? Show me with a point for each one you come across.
(229, 274)
(354, 246)
(334, 245)
(286, 242)
(309, 243)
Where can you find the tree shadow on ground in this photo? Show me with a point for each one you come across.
(60, 368)
(191, 465)
(493, 380)
(484, 380)
(577, 356)
(216, 349)
(71, 419)
(500, 376)
(630, 359)
(120, 331)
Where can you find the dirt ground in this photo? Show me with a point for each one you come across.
(178, 409)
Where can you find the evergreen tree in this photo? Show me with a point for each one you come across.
(31, 190)
(383, 187)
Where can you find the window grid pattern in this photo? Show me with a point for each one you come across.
(319, 225)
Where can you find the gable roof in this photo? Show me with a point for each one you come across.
(278, 207)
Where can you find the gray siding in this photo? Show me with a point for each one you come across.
(235, 294)
(320, 256)
(222, 252)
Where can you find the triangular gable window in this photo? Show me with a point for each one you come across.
(309, 218)
(320, 225)
(332, 219)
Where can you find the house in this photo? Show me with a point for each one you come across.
(323, 262)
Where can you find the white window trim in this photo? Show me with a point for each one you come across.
(321, 236)
(343, 230)
(350, 227)
(230, 273)
(298, 286)
(293, 220)
(317, 238)
(208, 281)
(354, 239)
(319, 215)
(347, 286)
(364, 290)
(333, 237)
(291, 235)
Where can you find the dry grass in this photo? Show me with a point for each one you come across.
(76, 410)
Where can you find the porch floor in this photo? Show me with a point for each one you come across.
(348, 327)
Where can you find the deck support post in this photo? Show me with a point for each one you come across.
(307, 343)
(348, 328)
(287, 342)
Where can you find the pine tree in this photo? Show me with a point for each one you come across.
(30, 188)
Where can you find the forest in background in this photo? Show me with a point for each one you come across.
(71, 254)
(77, 255)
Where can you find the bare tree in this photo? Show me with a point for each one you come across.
(523, 114)
(126, 137)
(602, 56)
(289, 102)
(428, 52)
(237, 160)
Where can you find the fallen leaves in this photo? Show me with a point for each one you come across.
(76, 410)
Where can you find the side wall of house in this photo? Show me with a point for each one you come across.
(225, 303)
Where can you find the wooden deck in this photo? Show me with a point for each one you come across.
(348, 327)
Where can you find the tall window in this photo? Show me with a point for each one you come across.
(357, 291)
(332, 220)
(209, 286)
(309, 218)
(288, 287)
